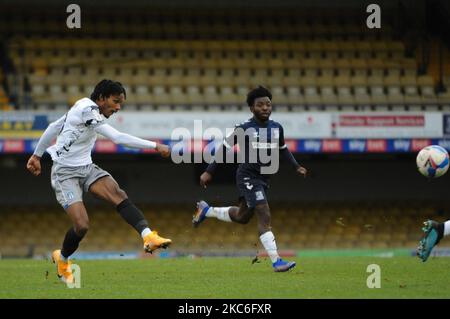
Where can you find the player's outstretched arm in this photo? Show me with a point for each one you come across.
(34, 165)
(205, 178)
(34, 162)
(287, 155)
(226, 146)
(207, 175)
(163, 149)
(302, 171)
(131, 141)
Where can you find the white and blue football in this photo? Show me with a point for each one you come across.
(432, 161)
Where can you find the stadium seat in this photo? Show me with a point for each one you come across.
(228, 51)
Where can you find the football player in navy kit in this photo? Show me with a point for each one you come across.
(256, 137)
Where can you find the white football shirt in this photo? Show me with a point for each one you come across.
(77, 136)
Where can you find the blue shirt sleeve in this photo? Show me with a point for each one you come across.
(284, 151)
(282, 143)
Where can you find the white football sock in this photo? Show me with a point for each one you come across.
(268, 241)
(447, 228)
(220, 213)
(145, 232)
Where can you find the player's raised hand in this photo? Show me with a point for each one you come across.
(205, 178)
(163, 150)
(302, 171)
(34, 165)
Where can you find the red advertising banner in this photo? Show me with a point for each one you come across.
(376, 146)
(105, 146)
(385, 125)
(382, 120)
(332, 146)
(292, 145)
(14, 146)
(418, 144)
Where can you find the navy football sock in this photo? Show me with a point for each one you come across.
(132, 215)
(70, 243)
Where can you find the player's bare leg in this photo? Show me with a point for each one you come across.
(80, 221)
(268, 239)
(241, 214)
(263, 213)
(107, 188)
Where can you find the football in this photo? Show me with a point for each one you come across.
(432, 161)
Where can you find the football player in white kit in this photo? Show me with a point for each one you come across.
(74, 172)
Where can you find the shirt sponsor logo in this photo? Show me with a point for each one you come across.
(261, 145)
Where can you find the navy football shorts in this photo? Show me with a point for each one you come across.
(254, 191)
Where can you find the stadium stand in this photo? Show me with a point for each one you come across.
(203, 59)
(173, 58)
(4, 101)
(25, 232)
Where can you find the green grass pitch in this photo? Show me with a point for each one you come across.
(214, 277)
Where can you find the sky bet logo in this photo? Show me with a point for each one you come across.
(444, 143)
(402, 145)
(312, 145)
(357, 145)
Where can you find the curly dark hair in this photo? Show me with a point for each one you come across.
(105, 88)
(260, 91)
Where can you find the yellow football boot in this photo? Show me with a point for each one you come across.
(63, 268)
(152, 242)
